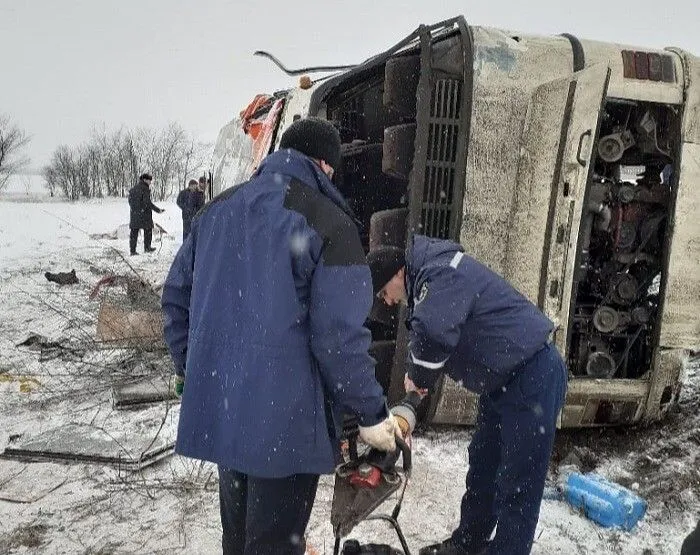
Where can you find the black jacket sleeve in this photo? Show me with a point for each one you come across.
(149, 204)
(181, 199)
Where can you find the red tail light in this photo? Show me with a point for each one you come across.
(648, 66)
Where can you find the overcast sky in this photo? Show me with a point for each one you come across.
(67, 64)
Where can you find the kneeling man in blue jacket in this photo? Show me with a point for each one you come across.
(468, 322)
(264, 309)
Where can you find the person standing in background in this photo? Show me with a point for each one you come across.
(141, 214)
(190, 201)
(204, 185)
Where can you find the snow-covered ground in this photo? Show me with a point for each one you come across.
(172, 506)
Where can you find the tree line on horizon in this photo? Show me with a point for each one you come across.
(110, 161)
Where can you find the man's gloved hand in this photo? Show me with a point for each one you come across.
(382, 436)
(179, 386)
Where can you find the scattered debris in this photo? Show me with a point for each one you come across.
(151, 390)
(84, 443)
(31, 536)
(103, 236)
(118, 322)
(159, 229)
(62, 278)
(26, 384)
(122, 232)
(95, 270)
(36, 342)
(48, 350)
(138, 292)
(25, 483)
(132, 315)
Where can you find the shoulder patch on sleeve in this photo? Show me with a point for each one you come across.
(422, 294)
(341, 240)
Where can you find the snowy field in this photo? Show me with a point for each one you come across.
(172, 506)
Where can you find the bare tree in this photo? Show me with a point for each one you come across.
(64, 172)
(186, 164)
(12, 143)
(50, 180)
(193, 160)
(117, 158)
(110, 162)
(163, 154)
(27, 183)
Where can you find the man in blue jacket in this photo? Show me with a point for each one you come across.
(469, 323)
(264, 307)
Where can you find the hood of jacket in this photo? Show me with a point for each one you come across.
(294, 164)
(422, 250)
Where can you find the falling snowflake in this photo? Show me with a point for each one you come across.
(299, 243)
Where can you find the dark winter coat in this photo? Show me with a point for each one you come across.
(264, 309)
(190, 203)
(141, 216)
(466, 320)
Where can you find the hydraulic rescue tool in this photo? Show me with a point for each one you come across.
(365, 481)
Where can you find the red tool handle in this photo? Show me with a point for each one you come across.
(368, 480)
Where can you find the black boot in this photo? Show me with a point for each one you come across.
(134, 253)
(133, 239)
(147, 237)
(447, 547)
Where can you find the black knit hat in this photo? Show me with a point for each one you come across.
(146, 177)
(315, 137)
(384, 263)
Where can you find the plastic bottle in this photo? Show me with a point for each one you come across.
(604, 502)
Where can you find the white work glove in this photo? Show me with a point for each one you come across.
(382, 436)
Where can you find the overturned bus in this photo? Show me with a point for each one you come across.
(570, 167)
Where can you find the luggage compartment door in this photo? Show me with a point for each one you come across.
(586, 93)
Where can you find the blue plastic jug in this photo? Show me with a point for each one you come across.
(604, 502)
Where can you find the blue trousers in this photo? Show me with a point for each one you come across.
(509, 457)
(265, 516)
